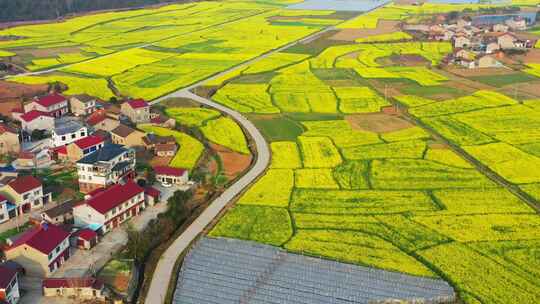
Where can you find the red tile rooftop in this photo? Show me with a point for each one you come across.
(114, 196)
(29, 116)
(24, 184)
(50, 100)
(165, 170)
(44, 238)
(89, 141)
(137, 103)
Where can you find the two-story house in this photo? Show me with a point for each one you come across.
(67, 131)
(26, 193)
(111, 207)
(124, 135)
(41, 250)
(35, 120)
(80, 148)
(82, 105)
(9, 285)
(54, 105)
(9, 140)
(137, 110)
(99, 120)
(109, 165)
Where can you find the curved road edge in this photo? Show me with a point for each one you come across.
(164, 269)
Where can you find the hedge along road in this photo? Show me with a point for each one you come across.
(164, 270)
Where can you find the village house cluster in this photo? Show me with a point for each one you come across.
(101, 141)
(481, 41)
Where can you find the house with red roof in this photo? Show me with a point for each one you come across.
(170, 175)
(41, 250)
(53, 104)
(9, 285)
(85, 238)
(9, 140)
(99, 120)
(137, 110)
(26, 194)
(80, 148)
(85, 288)
(152, 196)
(36, 120)
(111, 207)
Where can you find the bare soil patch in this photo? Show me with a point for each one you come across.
(433, 144)
(409, 60)
(378, 122)
(233, 163)
(13, 94)
(52, 52)
(531, 56)
(383, 27)
(160, 161)
(479, 72)
(527, 90)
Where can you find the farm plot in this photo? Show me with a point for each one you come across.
(148, 53)
(190, 149)
(226, 132)
(192, 116)
(318, 152)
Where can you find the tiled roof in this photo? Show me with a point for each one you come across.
(89, 141)
(137, 103)
(165, 170)
(44, 238)
(122, 130)
(62, 209)
(30, 116)
(2, 198)
(108, 152)
(6, 276)
(60, 150)
(87, 234)
(153, 192)
(96, 117)
(50, 100)
(86, 282)
(114, 196)
(84, 98)
(23, 184)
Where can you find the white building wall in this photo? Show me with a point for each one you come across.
(40, 123)
(61, 140)
(84, 215)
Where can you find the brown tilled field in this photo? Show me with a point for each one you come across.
(383, 27)
(378, 122)
(233, 163)
(12, 94)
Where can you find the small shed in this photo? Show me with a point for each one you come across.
(86, 238)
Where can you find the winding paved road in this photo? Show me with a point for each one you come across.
(165, 267)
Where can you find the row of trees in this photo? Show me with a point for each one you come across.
(23, 10)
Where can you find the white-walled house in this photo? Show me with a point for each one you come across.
(9, 285)
(170, 175)
(35, 120)
(54, 105)
(111, 207)
(108, 165)
(67, 131)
